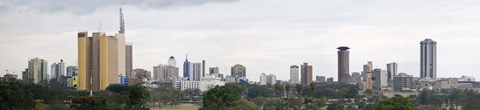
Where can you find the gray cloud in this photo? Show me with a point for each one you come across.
(82, 7)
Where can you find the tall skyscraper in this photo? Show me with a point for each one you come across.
(128, 59)
(97, 61)
(58, 69)
(101, 58)
(195, 71)
(380, 79)
(428, 59)
(367, 75)
(306, 71)
(343, 64)
(238, 70)
(392, 69)
(294, 71)
(37, 70)
(212, 70)
(172, 61)
(263, 79)
(203, 68)
(186, 68)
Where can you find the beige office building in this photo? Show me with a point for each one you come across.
(98, 61)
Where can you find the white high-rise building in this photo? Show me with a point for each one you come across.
(380, 79)
(263, 79)
(58, 69)
(37, 70)
(294, 73)
(271, 79)
(428, 59)
(195, 71)
(392, 70)
(172, 61)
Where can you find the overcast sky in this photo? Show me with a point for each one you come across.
(266, 36)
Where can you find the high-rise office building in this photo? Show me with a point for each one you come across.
(203, 68)
(97, 61)
(367, 75)
(392, 69)
(238, 70)
(195, 71)
(72, 72)
(294, 71)
(306, 71)
(128, 60)
(37, 70)
(428, 59)
(263, 79)
(186, 68)
(101, 59)
(380, 79)
(343, 65)
(25, 75)
(172, 61)
(271, 79)
(58, 69)
(212, 70)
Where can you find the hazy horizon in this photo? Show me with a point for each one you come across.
(266, 36)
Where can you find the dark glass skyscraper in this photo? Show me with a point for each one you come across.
(186, 68)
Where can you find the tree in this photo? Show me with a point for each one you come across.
(220, 97)
(259, 101)
(259, 90)
(299, 89)
(287, 89)
(138, 96)
(396, 103)
(279, 90)
(15, 96)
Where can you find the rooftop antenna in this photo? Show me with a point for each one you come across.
(100, 26)
(122, 23)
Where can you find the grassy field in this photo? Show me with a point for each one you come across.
(179, 107)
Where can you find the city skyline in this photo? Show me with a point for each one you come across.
(266, 41)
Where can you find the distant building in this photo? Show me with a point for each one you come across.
(71, 72)
(428, 59)
(403, 82)
(186, 68)
(172, 61)
(466, 78)
(164, 73)
(206, 83)
(367, 75)
(263, 79)
(271, 79)
(320, 79)
(212, 70)
(58, 69)
(356, 78)
(140, 73)
(330, 80)
(294, 71)
(203, 68)
(392, 70)
(37, 70)
(9, 77)
(306, 71)
(25, 75)
(128, 60)
(380, 79)
(195, 71)
(343, 65)
(238, 70)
